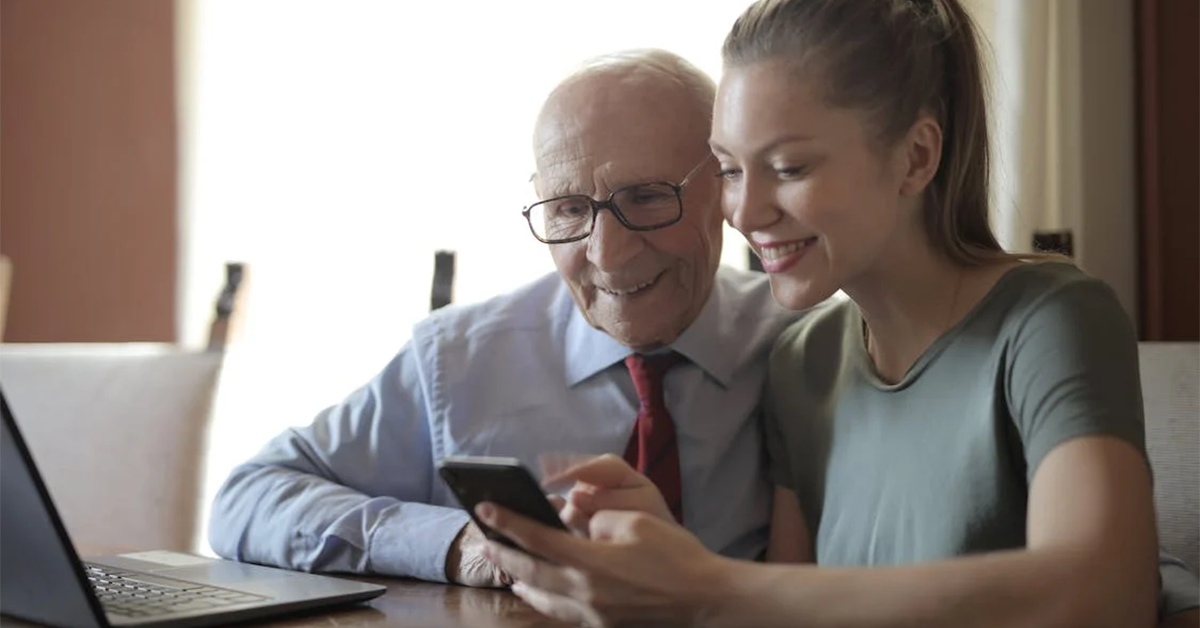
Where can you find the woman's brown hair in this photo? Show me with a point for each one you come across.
(894, 60)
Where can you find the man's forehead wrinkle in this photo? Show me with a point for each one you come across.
(566, 139)
(556, 163)
(575, 173)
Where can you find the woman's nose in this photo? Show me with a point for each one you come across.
(747, 205)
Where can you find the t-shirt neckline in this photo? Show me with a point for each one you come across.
(936, 347)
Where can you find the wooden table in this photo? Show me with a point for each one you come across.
(426, 605)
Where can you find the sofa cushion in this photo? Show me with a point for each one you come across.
(1170, 378)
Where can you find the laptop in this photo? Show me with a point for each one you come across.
(42, 579)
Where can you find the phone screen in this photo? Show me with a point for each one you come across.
(503, 481)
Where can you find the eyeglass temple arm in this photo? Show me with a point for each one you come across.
(695, 169)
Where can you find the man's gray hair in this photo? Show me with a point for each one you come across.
(652, 64)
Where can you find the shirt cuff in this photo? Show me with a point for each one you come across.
(414, 540)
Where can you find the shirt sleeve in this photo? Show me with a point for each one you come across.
(1073, 371)
(347, 493)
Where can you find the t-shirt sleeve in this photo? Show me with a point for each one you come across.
(1073, 371)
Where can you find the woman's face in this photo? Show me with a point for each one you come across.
(803, 182)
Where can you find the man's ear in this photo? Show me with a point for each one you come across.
(923, 155)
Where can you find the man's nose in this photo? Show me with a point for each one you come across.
(611, 245)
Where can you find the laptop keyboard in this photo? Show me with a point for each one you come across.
(141, 595)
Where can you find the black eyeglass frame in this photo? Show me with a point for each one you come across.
(598, 206)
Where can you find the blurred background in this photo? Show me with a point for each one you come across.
(332, 146)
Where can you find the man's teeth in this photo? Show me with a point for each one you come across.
(772, 253)
(627, 291)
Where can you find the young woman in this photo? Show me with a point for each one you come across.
(959, 443)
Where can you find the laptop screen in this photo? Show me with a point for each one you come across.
(41, 578)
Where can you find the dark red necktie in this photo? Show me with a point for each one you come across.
(653, 449)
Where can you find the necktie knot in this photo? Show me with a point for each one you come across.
(648, 372)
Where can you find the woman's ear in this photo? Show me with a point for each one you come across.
(923, 155)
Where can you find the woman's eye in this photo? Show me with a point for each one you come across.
(728, 173)
(791, 172)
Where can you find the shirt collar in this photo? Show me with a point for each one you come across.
(590, 351)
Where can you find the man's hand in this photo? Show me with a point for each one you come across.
(465, 563)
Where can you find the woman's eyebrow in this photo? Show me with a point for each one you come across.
(793, 138)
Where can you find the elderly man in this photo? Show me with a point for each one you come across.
(628, 207)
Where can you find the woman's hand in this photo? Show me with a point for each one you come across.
(635, 568)
(607, 483)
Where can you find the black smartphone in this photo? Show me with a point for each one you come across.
(503, 481)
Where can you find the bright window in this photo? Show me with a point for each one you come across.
(334, 145)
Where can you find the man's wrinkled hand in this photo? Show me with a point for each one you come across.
(465, 563)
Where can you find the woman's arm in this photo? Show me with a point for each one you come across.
(1090, 561)
(790, 541)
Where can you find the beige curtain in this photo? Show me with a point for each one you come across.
(5, 290)
(1063, 113)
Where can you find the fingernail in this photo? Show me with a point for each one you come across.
(485, 511)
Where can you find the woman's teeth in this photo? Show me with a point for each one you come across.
(772, 253)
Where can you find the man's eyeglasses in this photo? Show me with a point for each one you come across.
(639, 207)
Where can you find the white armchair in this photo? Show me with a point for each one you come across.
(118, 432)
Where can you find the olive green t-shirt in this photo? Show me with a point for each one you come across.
(939, 464)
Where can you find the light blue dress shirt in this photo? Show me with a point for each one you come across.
(519, 375)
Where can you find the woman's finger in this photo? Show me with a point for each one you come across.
(577, 519)
(558, 546)
(522, 567)
(581, 496)
(620, 525)
(517, 564)
(607, 471)
(549, 604)
(557, 501)
(646, 499)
